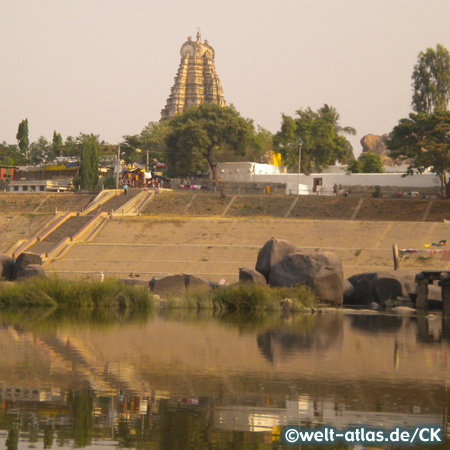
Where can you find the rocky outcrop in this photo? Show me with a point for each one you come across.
(165, 283)
(377, 144)
(25, 266)
(272, 252)
(322, 271)
(247, 275)
(6, 267)
(23, 260)
(379, 287)
(30, 271)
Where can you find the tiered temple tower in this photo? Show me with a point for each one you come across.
(196, 81)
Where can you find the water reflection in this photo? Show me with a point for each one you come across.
(182, 379)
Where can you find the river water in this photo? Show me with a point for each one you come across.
(198, 380)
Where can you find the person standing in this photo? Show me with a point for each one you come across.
(125, 188)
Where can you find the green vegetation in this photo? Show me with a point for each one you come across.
(431, 81)
(245, 297)
(424, 139)
(89, 162)
(22, 138)
(316, 137)
(55, 292)
(368, 162)
(203, 135)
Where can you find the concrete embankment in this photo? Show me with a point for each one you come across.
(215, 248)
(213, 236)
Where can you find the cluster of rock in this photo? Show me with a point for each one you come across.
(282, 264)
(377, 144)
(279, 264)
(26, 265)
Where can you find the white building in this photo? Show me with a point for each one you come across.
(322, 182)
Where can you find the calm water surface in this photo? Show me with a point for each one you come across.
(188, 380)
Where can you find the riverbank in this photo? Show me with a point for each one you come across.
(212, 236)
(53, 292)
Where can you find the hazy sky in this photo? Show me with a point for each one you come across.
(107, 66)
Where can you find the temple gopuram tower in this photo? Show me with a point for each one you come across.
(196, 81)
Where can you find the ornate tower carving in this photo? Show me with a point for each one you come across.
(196, 81)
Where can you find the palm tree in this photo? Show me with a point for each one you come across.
(329, 113)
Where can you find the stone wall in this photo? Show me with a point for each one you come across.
(242, 188)
(393, 191)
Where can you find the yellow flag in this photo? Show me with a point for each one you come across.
(276, 157)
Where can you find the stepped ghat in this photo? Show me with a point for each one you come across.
(196, 81)
(72, 227)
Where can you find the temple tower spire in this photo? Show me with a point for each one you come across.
(196, 81)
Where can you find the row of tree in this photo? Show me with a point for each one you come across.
(202, 136)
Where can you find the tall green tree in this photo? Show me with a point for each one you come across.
(316, 136)
(57, 142)
(431, 81)
(22, 137)
(425, 139)
(202, 136)
(89, 162)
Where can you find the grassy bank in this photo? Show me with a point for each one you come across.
(245, 297)
(54, 292)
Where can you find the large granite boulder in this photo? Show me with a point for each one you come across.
(30, 271)
(379, 287)
(191, 281)
(6, 267)
(322, 271)
(165, 283)
(247, 275)
(377, 144)
(23, 260)
(272, 252)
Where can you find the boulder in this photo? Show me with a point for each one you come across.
(377, 144)
(271, 253)
(23, 260)
(247, 275)
(379, 287)
(322, 271)
(165, 283)
(193, 281)
(30, 271)
(6, 267)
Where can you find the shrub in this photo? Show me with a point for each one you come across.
(55, 292)
(249, 296)
(109, 182)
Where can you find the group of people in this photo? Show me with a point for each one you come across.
(337, 190)
(150, 183)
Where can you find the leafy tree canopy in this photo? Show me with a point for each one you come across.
(151, 140)
(11, 156)
(41, 151)
(368, 162)
(426, 140)
(431, 81)
(320, 136)
(202, 136)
